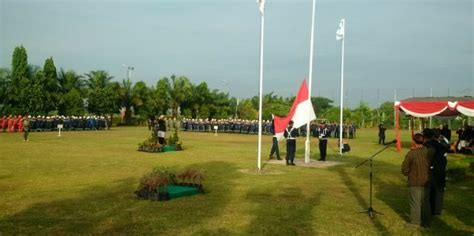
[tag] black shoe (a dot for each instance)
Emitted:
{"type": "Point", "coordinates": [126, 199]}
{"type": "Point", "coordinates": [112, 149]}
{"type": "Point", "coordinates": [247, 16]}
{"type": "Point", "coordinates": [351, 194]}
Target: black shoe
{"type": "Point", "coordinates": [279, 159]}
{"type": "Point", "coordinates": [270, 157]}
{"type": "Point", "coordinates": [321, 160]}
{"type": "Point", "coordinates": [292, 164]}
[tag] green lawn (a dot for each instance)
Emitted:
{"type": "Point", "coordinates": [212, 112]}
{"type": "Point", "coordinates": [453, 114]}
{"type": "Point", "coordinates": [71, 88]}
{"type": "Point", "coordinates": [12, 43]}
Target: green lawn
{"type": "Point", "coordinates": [83, 183]}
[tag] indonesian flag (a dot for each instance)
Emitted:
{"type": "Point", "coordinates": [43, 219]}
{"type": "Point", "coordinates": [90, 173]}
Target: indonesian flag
{"type": "Point", "coordinates": [261, 6]}
{"type": "Point", "coordinates": [341, 31]}
{"type": "Point", "coordinates": [301, 112]}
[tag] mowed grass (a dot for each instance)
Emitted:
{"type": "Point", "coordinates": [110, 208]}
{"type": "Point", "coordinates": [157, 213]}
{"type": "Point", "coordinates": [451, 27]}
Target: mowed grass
{"type": "Point", "coordinates": [83, 183]}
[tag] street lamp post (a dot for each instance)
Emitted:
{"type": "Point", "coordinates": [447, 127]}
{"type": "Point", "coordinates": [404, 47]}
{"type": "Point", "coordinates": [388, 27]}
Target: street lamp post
{"type": "Point", "coordinates": [129, 71]}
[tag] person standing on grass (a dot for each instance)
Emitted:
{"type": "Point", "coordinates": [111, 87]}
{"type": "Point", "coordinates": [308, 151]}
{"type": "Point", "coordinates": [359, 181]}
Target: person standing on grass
{"type": "Point", "coordinates": [438, 167]}
{"type": "Point", "coordinates": [290, 135]}
{"type": "Point", "coordinates": [382, 134]}
{"type": "Point", "coordinates": [161, 130]}
{"type": "Point", "coordinates": [416, 167]}
{"type": "Point", "coordinates": [275, 149]}
{"type": "Point", "coordinates": [323, 134]}
{"type": "Point", "coordinates": [26, 128]}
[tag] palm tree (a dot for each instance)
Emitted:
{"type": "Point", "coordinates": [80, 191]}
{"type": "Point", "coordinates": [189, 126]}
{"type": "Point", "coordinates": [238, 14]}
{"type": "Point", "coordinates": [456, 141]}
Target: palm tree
{"type": "Point", "coordinates": [180, 90]}
{"type": "Point", "coordinates": [126, 97]}
{"type": "Point", "coordinates": [71, 88]}
{"type": "Point", "coordinates": [98, 79]}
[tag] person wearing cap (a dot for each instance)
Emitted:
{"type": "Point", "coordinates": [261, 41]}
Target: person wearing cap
{"type": "Point", "coordinates": [290, 134]}
{"type": "Point", "coordinates": [26, 128]}
{"type": "Point", "coordinates": [416, 167]}
{"type": "Point", "coordinates": [323, 134]}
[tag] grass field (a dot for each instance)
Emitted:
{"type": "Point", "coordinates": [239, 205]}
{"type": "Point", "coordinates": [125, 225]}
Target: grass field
{"type": "Point", "coordinates": [83, 183]}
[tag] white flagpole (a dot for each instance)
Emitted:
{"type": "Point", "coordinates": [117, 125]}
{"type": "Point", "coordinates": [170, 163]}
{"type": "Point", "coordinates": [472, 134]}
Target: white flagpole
{"type": "Point", "coordinates": [343, 21]}
{"type": "Point", "coordinates": [307, 144]}
{"type": "Point", "coordinates": [259, 162]}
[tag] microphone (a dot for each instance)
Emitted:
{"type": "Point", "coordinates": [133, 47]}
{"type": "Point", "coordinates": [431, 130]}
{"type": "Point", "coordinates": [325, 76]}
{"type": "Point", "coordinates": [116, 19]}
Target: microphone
{"type": "Point", "coordinates": [391, 142]}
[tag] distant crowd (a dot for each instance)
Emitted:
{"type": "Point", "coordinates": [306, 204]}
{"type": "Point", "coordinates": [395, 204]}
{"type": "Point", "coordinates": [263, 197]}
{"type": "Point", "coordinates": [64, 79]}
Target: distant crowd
{"type": "Point", "coordinates": [13, 123]}
{"type": "Point", "coordinates": [242, 126]}
{"type": "Point", "coordinates": [465, 143]}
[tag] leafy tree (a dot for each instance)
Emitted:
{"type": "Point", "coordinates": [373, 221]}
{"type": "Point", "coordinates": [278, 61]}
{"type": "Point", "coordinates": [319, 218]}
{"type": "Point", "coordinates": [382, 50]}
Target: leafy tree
{"type": "Point", "coordinates": [363, 115]}
{"type": "Point", "coordinates": [180, 90]}
{"type": "Point", "coordinates": [220, 106]}
{"type": "Point", "coordinates": [125, 93]}
{"type": "Point", "coordinates": [141, 100]}
{"type": "Point", "coordinates": [161, 96]}
{"type": "Point", "coordinates": [198, 104]}
{"type": "Point", "coordinates": [72, 89]}
{"type": "Point", "coordinates": [321, 104]}
{"type": "Point", "coordinates": [103, 95]}
{"type": "Point", "coordinates": [16, 91]}
{"type": "Point", "coordinates": [50, 86]}
{"type": "Point", "coordinates": [386, 114]}
{"type": "Point", "coordinates": [332, 114]}
{"type": "Point", "coordinates": [4, 85]}
{"type": "Point", "coordinates": [247, 110]}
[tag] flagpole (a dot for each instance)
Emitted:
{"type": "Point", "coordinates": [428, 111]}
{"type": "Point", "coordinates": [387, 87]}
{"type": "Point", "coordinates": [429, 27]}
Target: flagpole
{"type": "Point", "coordinates": [259, 158]}
{"type": "Point", "coordinates": [341, 146]}
{"type": "Point", "coordinates": [307, 153]}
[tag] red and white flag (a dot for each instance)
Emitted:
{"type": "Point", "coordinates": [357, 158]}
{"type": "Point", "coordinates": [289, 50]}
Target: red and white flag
{"type": "Point", "coordinates": [301, 112]}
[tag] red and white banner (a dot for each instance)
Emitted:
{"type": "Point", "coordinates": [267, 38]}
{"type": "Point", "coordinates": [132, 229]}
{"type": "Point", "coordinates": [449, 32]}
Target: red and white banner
{"type": "Point", "coordinates": [301, 112]}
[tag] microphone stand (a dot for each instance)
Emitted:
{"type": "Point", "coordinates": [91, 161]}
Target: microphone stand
{"type": "Point", "coordinates": [371, 210]}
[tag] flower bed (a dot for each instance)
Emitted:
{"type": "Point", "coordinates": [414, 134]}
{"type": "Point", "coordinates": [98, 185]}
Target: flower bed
{"type": "Point", "coordinates": [162, 184]}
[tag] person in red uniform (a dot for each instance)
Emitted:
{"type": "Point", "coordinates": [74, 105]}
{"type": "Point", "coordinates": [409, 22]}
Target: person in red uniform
{"type": "Point", "coordinates": [10, 124]}
{"type": "Point", "coordinates": [1, 122]}
{"type": "Point", "coordinates": [19, 124]}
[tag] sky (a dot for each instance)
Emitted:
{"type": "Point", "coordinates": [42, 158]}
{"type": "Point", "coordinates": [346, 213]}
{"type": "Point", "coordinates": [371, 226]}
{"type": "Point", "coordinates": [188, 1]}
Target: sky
{"type": "Point", "coordinates": [394, 49]}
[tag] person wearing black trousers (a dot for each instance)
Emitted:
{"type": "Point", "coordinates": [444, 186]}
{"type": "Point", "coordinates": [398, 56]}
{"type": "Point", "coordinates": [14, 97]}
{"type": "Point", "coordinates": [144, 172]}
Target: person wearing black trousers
{"type": "Point", "coordinates": [275, 149]}
{"type": "Point", "coordinates": [290, 134]}
{"type": "Point", "coordinates": [382, 134]}
{"type": "Point", "coordinates": [323, 141]}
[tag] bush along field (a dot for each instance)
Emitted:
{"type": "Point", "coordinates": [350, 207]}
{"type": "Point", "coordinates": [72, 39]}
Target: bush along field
{"type": "Point", "coordinates": [85, 183]}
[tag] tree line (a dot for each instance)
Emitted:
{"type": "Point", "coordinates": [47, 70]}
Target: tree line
{"type": "Point", "coordinates": [34, 90]}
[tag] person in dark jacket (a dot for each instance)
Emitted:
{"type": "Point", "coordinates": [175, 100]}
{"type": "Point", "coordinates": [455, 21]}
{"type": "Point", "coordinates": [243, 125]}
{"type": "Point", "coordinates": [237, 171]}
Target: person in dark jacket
{"type": "Point", "coordinates": [439, 146]}
{"type": "Point", "coordinates": [382, 134]}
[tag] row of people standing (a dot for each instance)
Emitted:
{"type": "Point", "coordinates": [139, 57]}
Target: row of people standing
{"type": "Point", "coordinates": [50, 123]}
{"type": "Point", "coordinates": [251, 127]}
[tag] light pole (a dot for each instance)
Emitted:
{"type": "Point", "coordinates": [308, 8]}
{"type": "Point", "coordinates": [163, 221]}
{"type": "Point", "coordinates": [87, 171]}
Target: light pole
{"type": "Point", "coordinates": [129, 71]}
{"type": "Point", "coordinates": [126, 104]}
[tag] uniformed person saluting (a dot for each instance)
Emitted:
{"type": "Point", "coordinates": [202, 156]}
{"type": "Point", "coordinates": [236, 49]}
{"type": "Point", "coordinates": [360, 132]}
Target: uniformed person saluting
{"type": "Point", "coordinates": [290, 134]}
{"type": "Point", "coordinates": [323, 141]}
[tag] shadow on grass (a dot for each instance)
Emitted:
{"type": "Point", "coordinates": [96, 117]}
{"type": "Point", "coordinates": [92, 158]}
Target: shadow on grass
{"type": "Point", "coordinates": [112, 208]}
{"type": "Point", "coordinates": [363, 201]}
{"type": "Point", "coordinates": [284, 212]}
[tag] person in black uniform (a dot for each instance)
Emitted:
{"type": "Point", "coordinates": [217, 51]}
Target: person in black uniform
{"type": "Point", "coordinates": [290, 134]}
{"type": "Point", "coordinates": [323, 141]}
{"type": "Point", "coordinates": [440, 146]}
{"type": "Point", "coordinates": [275, 148]}
{"type": "Point", "coordinates": [382, 134]}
